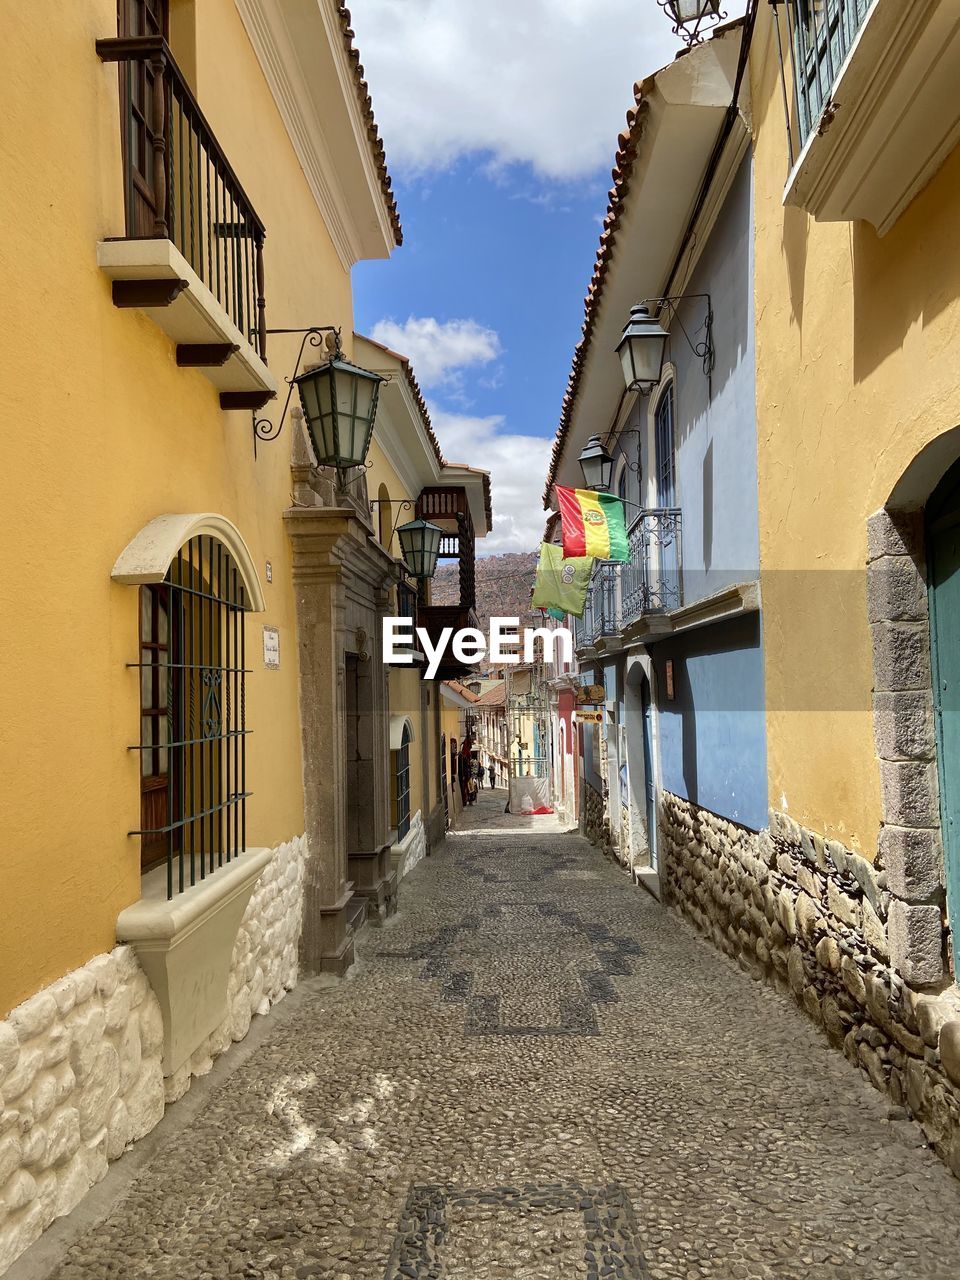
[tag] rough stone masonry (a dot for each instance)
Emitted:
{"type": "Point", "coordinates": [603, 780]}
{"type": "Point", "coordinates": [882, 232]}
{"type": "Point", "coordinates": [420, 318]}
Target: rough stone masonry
{"type": "Point", "coordinates": [816, 921]}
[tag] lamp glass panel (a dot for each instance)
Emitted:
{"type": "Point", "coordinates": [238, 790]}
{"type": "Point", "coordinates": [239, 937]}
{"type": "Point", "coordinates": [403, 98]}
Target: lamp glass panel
{"type": "Point", "coordinates": [626, 359]}
{"type": "Point", "coordinates": [324, 392]}
{"type": "Point", "coordinates": [646, 354]}
{"type": "Point", "coordinates": [693, 10]}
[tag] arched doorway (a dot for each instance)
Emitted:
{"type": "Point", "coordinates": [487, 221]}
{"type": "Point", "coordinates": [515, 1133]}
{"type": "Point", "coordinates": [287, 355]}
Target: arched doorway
{"type": "Point", "coordinates": [641, 763]}
{"type": "Point", "coordinates": [942, 526]}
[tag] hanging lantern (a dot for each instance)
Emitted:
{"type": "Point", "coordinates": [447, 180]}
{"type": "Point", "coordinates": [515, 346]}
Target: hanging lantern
{"type": "Point", "coordinates": [339, 401]}
{"type": "Point", "coordinates": [596, 465]}
{"type": "Point", "coordinates": [641, 349]}
{"type": "Point", "coordinates": [420, 545]}
{"type": "Point", "coordinates": [689, 17]}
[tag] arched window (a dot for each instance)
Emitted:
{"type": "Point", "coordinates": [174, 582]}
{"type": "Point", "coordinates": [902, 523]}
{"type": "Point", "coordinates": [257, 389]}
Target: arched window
{"type": "Point", "coordinates": [664, 449]}
{"type": "Point", "coordinates": [193, 780]}
{"type": "Point", "coordinates": [401, 784]}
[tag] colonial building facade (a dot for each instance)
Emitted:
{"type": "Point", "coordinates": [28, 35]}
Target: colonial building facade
{"type": "Point", "coordinates": [220, 780]}
{"type": "Point", "coordinates": [800, 450]}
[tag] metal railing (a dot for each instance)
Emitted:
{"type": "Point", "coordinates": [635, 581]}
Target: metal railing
{"type": "Point", "coordinates": [651, 581]}
{"type": "Point", "coordinates": [180, 186]}
{"type": "Point", "coordinates": [822, 33]}
{"type": "Point", "coordinates": [600, 614]}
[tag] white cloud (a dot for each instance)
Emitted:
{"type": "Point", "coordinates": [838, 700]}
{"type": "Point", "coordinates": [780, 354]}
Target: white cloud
{"type": "Point", "coordinates": [547, 82]}
{"type": "Point", "coordinates": [439, 350]}
{"type": "Point", "coordinates": [517, 465]}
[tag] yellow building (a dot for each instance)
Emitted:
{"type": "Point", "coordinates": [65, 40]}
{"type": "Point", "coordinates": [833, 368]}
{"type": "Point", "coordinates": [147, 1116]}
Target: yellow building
{"type": "Point", "coordinates": [210, 779]}
{"type": "Point", "coordinates": [851, 899]}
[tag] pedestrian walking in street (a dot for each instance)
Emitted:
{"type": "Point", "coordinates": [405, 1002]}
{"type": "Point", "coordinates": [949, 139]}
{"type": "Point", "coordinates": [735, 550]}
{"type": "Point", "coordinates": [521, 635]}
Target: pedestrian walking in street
{"type": "Point", "coordinates": [471, 790]}
{"type": "Point", "coordinates": [480, 772]}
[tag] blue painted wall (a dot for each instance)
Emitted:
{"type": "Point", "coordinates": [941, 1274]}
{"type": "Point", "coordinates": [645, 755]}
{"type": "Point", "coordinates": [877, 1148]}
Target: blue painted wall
{"type": "Point", "coordinates": [712, 735]}
{"type": "Point", "coordinates": [715, 420]}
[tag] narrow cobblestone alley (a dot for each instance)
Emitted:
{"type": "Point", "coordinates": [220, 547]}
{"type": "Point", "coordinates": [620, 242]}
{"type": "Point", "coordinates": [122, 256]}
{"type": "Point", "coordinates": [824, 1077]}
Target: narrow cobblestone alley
{"type": "Point", "coordinates": [535, 1073]}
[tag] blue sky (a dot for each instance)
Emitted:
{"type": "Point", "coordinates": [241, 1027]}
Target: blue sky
{"type": "Point", "coordinates": [500, 121]}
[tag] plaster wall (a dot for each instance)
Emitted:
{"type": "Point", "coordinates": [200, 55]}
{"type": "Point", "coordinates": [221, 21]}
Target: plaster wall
{"type": "Point", "coordinates": [112, 433]}
{"type": "Point", "coordinates": [715, 418]}
{"type": "Point", "coordinates": [856, 374]}
{"type": "Point", "coordinates": [711, 735]}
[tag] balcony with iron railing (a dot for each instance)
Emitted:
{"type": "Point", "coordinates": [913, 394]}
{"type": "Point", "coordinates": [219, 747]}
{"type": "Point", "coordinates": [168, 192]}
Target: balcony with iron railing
{"type": "Point", "coordinates": [649, 583]}
{"type": "Point", "coordinates": [191, 252]}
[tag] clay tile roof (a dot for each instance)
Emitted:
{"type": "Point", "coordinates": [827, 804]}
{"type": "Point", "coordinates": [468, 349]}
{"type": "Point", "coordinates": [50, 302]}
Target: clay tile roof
{"type": "Point", "coordinates": [373, 133]}
{"type": "Point", "coordinates": [431, 434]}
{"type": "Point", "coordinates": [462, 689]}
{"type": "Point", "coordinates": [415, 392]}
{"type": "Point", "coordinates": [622, 174]}
{"type": "Point", "coordinates": [495, 697]}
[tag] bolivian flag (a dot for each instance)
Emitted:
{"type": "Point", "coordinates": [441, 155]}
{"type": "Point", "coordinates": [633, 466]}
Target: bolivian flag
{"type": "Point", "coordinates": [593, 525]}
{"type": "Point", "coordinates": [561, 585]}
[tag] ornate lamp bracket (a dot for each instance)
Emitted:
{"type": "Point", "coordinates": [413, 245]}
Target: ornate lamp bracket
{"type": "Point", "coordinates": [703, 348]}
{"type": "Point", "coordinates": [326, 336]}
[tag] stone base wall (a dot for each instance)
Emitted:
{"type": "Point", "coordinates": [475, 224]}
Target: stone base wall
{"type": "Point", "coordinates": [80, 1063]}
{"type": "Point", "coordinates": [265, 959]}
{"type": "Point", "coordinates": [596, 827]}
{"type": "Point", "coordinates": [811, 918]}
{"type": "Point", "coordinates": [412, 849]}
{"type": "Point", "coordinates": [436, 827]}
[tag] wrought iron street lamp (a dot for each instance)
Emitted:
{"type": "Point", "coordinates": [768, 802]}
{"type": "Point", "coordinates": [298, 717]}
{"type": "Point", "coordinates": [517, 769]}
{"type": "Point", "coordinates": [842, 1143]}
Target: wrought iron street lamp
{"type": "Point", "coordinates": [692, 18]}
{"type": "Point", "coordinates": [420, 545]}
{"type": "Point", "coordinates": [643, 345]}
{"type": "Point", "coordinates": [641, 349]}
{"type": "Point", "coordinates": [339, 402]}
{"type": "Point", "coordinates": [596, 465]}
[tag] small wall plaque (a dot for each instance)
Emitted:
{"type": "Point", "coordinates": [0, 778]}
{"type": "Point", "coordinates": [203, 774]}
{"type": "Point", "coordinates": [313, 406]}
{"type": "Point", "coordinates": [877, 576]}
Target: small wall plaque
{"type": "Point", "coordinates": [669, 675]}
{"type": "Point", "coordinates": [271, 648]}
{"type": "Point", "coordinates": [269, 570]}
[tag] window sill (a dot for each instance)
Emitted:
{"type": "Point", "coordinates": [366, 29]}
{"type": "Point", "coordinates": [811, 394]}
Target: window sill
{"type": "Point", "coordinates": [185, 947]}
{"type": "Point", "coordinates": [892, 118]}
{"type": "Point", "coordinates": [191, 316]}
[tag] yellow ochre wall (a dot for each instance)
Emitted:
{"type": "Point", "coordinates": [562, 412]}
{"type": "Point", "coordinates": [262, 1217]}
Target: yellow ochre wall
{"type": "Point", "coordinates": [857, 370]}
{"type": "Point", "coordinates": [104, 432]}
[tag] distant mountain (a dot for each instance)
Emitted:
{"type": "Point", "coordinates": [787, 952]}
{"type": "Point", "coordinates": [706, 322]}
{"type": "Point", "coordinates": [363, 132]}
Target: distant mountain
{"type": "Point", "coordinates": [504, 584]}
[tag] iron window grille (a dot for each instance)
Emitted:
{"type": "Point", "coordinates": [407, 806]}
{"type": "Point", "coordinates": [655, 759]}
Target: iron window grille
{"type": "Point", "coordinates": [401, 782]}
{"type": "Point", "coordinates": [193, 715]}
{"type": "Point", "coordinates": [823, 33]}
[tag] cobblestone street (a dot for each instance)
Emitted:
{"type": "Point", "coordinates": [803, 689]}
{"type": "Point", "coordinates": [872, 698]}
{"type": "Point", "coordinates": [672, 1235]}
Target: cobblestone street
{"type": "Point", "coordinates": [533, 1073]}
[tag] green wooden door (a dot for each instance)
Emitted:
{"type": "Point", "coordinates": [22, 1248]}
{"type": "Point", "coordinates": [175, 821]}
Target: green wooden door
{"type": "Point", "coordinates": [943, 552]}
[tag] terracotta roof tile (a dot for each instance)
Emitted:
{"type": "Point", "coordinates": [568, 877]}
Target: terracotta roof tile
{"type": "Point", "coordinates": [495, 697]}
{"type": "Point", "coordinates": [373, 133]}
{"type": "Point", "coordinates": [414, 391]}
{"type": "Point", "coordinates": [431, 434]}
{"type": "Point", "coordinates": [462, 690]}
{"type": "Point", "coordinates": [622, 173]}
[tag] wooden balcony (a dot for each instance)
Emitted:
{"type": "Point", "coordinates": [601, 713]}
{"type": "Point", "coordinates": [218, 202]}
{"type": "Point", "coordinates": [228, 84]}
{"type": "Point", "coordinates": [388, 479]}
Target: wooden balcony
{"type": "Point", "coordinates": [433, 618]}
{"type": "Point", "coordinates": [191, 255]}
